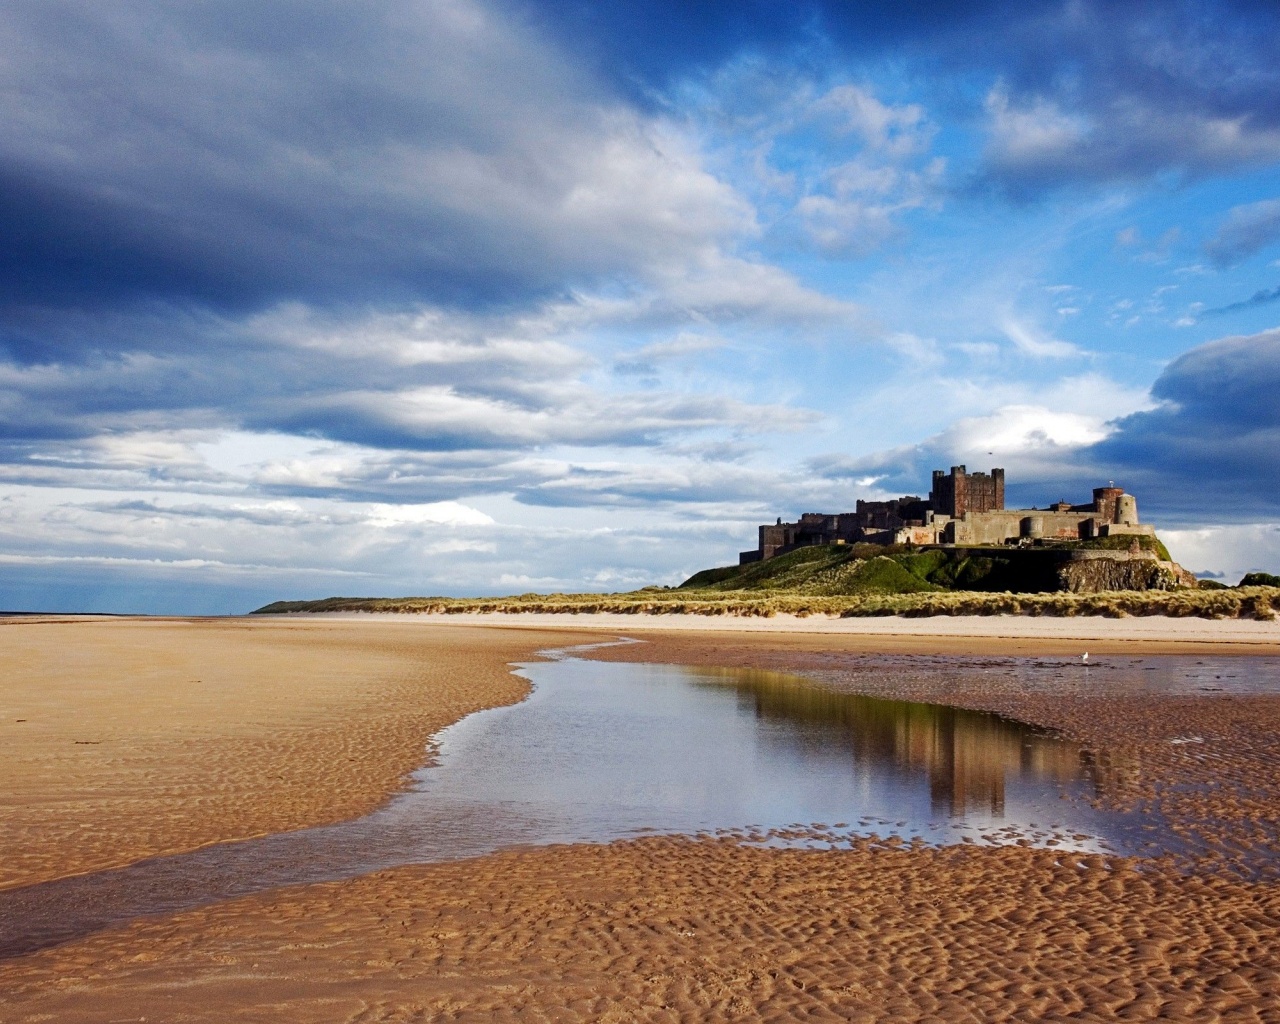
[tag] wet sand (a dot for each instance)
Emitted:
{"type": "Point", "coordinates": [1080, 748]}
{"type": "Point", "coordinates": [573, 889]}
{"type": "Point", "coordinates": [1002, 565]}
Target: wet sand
{"type": "Point", "coordinates": [677, 930]}
{"type": "Point", "coordinates": [125, 738]}
{"type": "Point", "coordinates": [668, 929]}
{"type": "Point", "coordinates": [1206, 760]}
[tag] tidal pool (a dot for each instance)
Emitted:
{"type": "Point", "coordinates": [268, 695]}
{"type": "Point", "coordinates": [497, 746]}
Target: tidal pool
{"type": "Point", "coordinates": [603, 751]}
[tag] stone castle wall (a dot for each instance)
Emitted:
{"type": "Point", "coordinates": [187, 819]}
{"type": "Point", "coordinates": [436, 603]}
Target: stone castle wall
{"type": "Point", "coordinates": [963, 508]}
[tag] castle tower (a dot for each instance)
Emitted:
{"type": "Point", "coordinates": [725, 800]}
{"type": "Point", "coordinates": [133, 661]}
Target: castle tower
{"type": "Point", "coordinates": [1105, 500]}
{"type": "Point", "coordinates": [960, 491]}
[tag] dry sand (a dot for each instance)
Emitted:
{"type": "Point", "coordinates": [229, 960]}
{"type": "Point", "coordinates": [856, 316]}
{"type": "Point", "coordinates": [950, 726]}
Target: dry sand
{"type": "Point", "coordinates": [666, 929]}
{"type": "Point", "coordinates": [1148, 629]}
{"type": "Point", "coordinates": [121, 739]}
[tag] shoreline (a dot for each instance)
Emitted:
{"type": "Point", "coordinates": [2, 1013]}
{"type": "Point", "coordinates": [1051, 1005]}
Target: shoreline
{"type": "Point", "coordinates": [1151, 634]}
{"type": "Point", "coordinates": [1146, 634]}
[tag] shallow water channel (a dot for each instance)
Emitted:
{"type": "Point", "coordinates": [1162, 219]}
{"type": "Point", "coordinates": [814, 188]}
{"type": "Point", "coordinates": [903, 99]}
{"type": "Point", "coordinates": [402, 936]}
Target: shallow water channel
{"type": "Point", "coordinates": [605, 750]}
{"type": "Point", "coordinates": [602, 751]}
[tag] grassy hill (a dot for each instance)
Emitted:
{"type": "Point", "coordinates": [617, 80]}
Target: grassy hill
{"type": "Point", "coordinates": [837, 569]}
{"type": "Point", "coordinates": [823, 570]}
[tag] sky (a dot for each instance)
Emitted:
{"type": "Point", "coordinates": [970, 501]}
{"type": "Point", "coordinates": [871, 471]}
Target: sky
{"type": "Point", "coordinates": [478, 297]}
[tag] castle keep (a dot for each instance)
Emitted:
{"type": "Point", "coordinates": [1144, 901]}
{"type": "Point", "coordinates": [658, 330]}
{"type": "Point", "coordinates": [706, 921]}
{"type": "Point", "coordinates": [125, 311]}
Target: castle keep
{"type": "Point", "coordinates": [963, 508]}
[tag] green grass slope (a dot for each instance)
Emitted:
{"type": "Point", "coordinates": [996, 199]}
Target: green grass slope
{"type": "Point", "coordinates": [830, 570]}
{"type": "Point", "coordinates": [839, 569]}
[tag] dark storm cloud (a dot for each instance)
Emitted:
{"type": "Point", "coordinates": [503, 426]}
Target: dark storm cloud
{"type": "Point", "coordinates": [1208, 453]}
{"type": "Point", "coordinates": [1263, 297]}
{"type": "Point", "coordinates": [1087, 91]}
{"type": "Point", "coordinates": [1213, 448]}
{"type": "Point", "coordinates": [1098, 92]}
{"type": "Point", "coordinates": [643, 45]}
{"type": "Point", "coordinates": [387, 382]}
{"type": "Point", "coordinates": [1246, 230]}
{"type": "Point", "coordinates": [239, 155]}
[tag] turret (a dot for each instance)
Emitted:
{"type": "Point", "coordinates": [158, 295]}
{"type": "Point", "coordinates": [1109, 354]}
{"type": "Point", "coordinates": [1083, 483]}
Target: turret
{"type": "Point", "coordinates": [1105, 500]}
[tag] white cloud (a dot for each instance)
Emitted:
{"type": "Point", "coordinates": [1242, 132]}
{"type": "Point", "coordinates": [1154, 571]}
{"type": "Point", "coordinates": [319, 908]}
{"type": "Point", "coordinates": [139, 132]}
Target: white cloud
{"type": "Point", "coordinates": [897, 130]}
{"type": "Point", "coordinates": [1031, 131]}
{"type": "Point", "coordinates": [1036, 139]}
{"type": "Point", "coordinates": [469, 155]}
{"type": "Point", "coordinates": [1032, 341]}
{"type": "Point", "coordinates": [441, 513]}
{"type": "Point", "coordinates": [684, 344]}
{"type": "Point", "coordinates": [1226, 552]}
{"type": "Point", "coordinates": [1035, 431]}
{"type": "Point", "coordinates": [847, 194]}
{"type": "Point", "coordinates": [573, 413]}
{"type": "Point", "coordinates": [198, 567]}
{"type": "Point", "coordinates": [1022, 438]}
{"type": "Point", "coordinates": [716, 287]}
{"type": "Point", "coordinates": [117, 550]}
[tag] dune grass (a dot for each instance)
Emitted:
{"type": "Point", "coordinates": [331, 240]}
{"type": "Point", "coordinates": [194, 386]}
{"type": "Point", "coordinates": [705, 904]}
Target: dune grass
{"type": "Point", "coordinates": [1226, 603]}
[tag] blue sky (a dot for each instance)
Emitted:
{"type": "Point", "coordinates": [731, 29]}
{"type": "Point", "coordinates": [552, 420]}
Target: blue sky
{"type": "Point", "coordinates": [458, 297]}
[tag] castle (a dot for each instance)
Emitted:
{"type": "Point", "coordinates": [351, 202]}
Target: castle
{"type": "Point", "coordinates": [962, 509]}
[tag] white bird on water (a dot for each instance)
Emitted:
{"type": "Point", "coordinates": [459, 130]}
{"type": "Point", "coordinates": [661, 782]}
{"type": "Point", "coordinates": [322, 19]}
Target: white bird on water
{"type": "Point", "coordinates": [1085, 657]}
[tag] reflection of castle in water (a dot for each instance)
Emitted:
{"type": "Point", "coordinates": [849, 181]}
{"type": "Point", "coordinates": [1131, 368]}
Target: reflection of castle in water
{"type": "Point", "coordinates": [967, 755]}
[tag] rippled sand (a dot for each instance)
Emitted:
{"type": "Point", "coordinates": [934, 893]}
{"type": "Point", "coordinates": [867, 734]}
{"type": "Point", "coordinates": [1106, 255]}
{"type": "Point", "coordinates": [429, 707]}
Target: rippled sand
{"type": "Point", "coordinates": [122, 739]}
{"type": "Point", "coordinates": [681, 930]}
{"type": "Point", "coordinates": [678, 930]}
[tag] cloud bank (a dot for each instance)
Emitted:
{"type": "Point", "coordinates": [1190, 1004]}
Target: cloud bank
{"type": "Point", "coordinates": [480, 295]}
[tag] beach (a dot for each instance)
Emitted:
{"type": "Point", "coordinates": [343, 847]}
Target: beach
{"type": "Point", "coordinates": [660, 928]}
{"type": "Point", "coordinates": [127, 738]}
